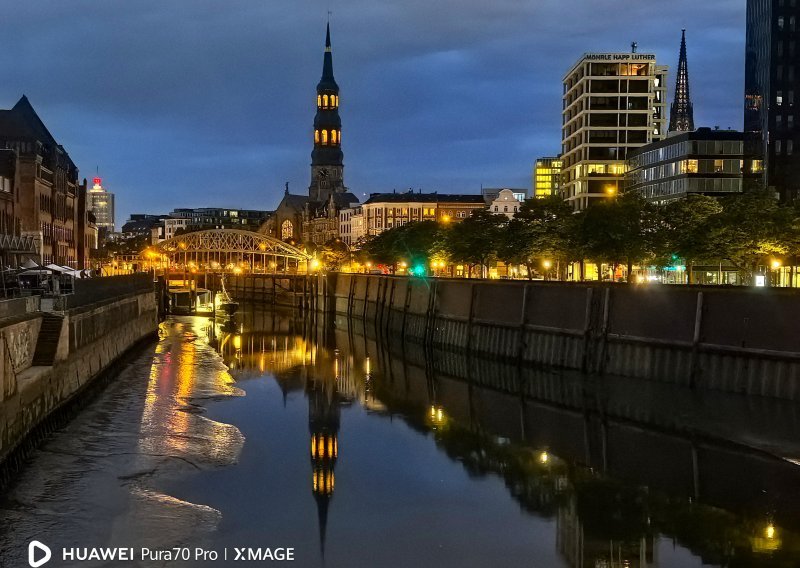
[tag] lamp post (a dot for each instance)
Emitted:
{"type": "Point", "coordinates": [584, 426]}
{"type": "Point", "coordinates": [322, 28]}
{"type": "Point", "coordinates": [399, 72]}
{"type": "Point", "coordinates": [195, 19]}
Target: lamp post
{"type": "Point", "coordinates": [547, 264]}
{"type": "Point", "coordinates": [776, 274]}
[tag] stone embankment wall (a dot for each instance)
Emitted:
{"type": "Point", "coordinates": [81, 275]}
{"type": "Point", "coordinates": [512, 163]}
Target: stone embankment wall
{"type": "Point", "coordinates": [92, 336]}
{"type": "Point", "coordinates": [743, 340]}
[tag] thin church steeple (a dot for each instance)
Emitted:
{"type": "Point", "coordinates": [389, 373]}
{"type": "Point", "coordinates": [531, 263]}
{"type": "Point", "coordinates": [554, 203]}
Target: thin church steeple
{"type": "Point", "coordinates": [681, 116]}
{"type": "Point", "coordinates": [327, 167]}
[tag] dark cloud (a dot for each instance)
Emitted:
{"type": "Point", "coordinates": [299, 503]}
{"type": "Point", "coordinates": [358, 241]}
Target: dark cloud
{"type": "Point", "coordinates": [210, 102]}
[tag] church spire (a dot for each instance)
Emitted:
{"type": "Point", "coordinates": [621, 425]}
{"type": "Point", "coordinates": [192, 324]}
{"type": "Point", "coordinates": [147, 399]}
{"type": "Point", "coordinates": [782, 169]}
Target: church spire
{"type": "Point", "coordinates": [327, 168]}
{"type": "Point", "coordinates": [681, 118]}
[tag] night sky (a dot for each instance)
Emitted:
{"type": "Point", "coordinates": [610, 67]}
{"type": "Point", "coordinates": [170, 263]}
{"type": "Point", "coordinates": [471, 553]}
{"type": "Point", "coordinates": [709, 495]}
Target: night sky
{"type": "Point", "coordinates": [201, 103]}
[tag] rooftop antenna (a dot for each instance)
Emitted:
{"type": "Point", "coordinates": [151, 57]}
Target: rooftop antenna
{"type": "Point", "coordinates": [634, 46]}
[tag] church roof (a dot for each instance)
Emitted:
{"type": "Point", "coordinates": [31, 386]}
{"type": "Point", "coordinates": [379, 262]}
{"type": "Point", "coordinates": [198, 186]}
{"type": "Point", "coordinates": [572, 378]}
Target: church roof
{"type": "Point", "coordinates": [342, 200]}
{"type": "Point", "coordinates": [295, 201]}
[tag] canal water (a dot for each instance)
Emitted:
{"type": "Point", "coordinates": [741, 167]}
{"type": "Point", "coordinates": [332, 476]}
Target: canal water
{"type": "Point", "coordinates": [356, 449]}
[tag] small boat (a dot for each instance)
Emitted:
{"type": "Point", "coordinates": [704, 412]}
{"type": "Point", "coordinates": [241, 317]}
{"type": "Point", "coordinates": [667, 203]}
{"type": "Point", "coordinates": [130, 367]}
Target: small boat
{"type": "Point", "coordinates": [226, 304]}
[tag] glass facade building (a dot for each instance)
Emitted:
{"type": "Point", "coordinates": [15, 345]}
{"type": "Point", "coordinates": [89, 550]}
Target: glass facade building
{"type": "Point", "coordinates": [772, 84]}
{"type": "Point", "coordinates": [547, 177]}
{"type": "Point", "coordinates": [705, 161]}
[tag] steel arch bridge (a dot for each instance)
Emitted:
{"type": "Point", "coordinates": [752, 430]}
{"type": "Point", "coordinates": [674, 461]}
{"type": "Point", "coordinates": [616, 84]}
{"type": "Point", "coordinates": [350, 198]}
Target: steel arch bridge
{"type": "Point", "coordinates": [228, 248]}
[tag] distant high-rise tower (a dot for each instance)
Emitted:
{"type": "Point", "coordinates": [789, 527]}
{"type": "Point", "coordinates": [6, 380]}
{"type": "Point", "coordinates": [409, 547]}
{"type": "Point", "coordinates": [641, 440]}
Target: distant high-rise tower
{"type": "Point", "coordinates": [101, 203]}
{"type": "Point", "coordinates": [681, 116]}
{"type": "Point", "coordinates": [327, 168]}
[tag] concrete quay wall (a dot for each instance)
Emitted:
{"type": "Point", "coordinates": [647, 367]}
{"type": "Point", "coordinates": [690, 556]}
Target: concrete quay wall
{"type": "Point", "coordinates": [743, 340]}
{"type": "Point", "coordinates": [91, 339]}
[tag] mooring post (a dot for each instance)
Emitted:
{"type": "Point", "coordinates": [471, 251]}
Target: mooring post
{"type": "Point", "coordinates": [698, 325]}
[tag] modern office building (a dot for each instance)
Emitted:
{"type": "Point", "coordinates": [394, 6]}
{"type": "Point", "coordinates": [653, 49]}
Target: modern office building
{"type": "Point", "coordinates": [612, 103]}
{"type": "Point", "coordinates": [772, 86]}
{"type": "Point", "coordinates": [101, 203]}
{"type": "Point", "coordinates": [712, 162]}
{"type": "Point", "coordinates": [222, 218]}
{"type": "Point", "coordinates": [547, 177]}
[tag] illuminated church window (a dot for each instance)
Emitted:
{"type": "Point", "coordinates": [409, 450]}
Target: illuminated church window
{"type": "Point", "coordinates": [333, 137]}
{"type": "Point", "coordinates": [319, 100]}
{"type": "Point", "coordinates": [324, 136]}
{"type": "Point", "coordinates": [324, 101]}
{"type": "Point", "coordinates": [316, 136]}
{"type": "Point", "coordinates": [287, 230]}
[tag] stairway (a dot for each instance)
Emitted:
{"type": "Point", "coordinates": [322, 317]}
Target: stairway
{"type": "Point", "coordinates": [47, 342]}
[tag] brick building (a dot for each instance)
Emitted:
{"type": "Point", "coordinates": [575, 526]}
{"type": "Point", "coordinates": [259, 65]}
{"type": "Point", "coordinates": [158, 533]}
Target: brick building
{"type": "Point", "coordinates": [47, 205]}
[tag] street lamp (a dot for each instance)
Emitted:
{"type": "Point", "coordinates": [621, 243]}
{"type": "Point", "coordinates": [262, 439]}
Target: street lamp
{"type": "Point", "coordinates": [776, 266]}
{"type": "Point", "coordinates": [611, 190]}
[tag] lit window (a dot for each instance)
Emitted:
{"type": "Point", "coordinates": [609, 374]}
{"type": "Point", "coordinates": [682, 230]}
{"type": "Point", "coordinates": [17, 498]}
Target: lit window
{"type": "Point", "coordinates": [691, 166]}
{"type": "Point", "coordinates": [779, 98]}
{"type": "Point", "coordinates": [325, 101]}
{"type": "Point", "coordinates": [316, 136]}
{"type": "Point", "coordinates": [718, 166]}
{"type": "Point", "coordinates": [287, 230]}
{"type": "Point", "coordinates": [319, 100]}
{"type": "Point", "coordinates": [324, 136]}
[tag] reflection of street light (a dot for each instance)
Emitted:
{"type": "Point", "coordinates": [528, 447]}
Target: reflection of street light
{"type": "Point", "coordinates": [544, 457]}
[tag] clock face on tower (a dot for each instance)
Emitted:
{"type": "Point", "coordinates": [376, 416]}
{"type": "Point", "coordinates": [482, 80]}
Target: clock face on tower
{"type": "Point", "coordinates": [323, 174]}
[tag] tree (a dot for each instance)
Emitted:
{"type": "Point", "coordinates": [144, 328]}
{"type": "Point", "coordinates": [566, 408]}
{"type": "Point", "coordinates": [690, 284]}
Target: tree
{"type": "Point", "coordinates": [752, 227]}
{"type": "Point", "coordinates": [543, 230]}
{"type": "Point", "coordinates": [474, 241]}
{"type": "Point", "coordinates": [618, 230]}
{"type": "Point", "coordinates": [684, 231]}
{"type": "Point", "coordinates": [414, 243]}
{"type": "Point", "coordinates": [333, 254]}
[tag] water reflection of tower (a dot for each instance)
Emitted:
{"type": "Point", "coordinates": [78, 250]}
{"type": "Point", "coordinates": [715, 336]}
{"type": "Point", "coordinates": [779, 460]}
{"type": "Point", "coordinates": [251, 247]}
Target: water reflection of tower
{"type": "Point", "coordinates": [323, 425]}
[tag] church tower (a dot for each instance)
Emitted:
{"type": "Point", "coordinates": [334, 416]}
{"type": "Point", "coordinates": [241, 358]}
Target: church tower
{"type": "Point", "coordinates": [681, 115]}
{"type": "Point", "coordinates": [327, 168]}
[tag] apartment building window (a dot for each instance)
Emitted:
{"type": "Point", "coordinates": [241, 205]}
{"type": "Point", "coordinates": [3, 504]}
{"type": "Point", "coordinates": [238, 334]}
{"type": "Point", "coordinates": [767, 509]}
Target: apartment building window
{"type": "Point", "coordinates": [789, 147]}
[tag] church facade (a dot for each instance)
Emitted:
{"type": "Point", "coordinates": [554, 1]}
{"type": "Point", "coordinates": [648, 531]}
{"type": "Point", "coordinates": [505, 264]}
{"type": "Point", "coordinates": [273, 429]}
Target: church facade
{"type": "Point", "coordinates": [314, 218]}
